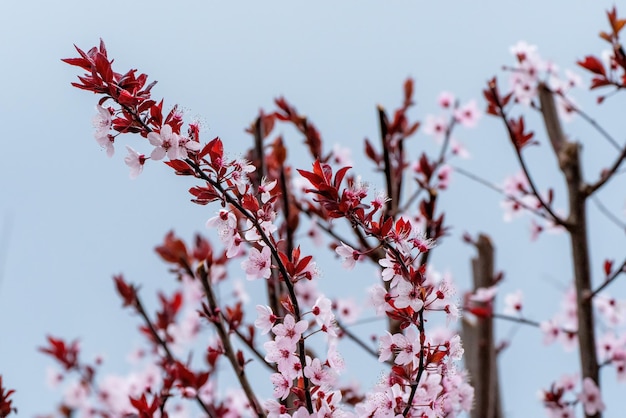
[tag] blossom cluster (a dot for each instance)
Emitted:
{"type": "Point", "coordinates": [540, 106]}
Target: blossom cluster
{"type": "Point", "coordinates": [295, 335]}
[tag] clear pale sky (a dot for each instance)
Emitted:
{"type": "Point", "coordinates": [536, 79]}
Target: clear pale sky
{"type": "Point", "coordinates": [71, 218]}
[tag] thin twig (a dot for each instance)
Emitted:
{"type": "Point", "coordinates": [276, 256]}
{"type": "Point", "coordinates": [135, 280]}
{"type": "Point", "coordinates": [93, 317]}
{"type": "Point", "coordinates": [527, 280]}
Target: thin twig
{"type": "Point", "coordinates": [228, 348]}
{"type": "Point", "coordinates": [591, 122]}
{"type": "Point", "coordinates": [254, 350]}
{"type": "Point", "coordinates": [501, 191]}
{"type": "Point", "coordinates": [556, 219]}
{"type": "Point", "coordinates": [168, 354]}
{"type": "Point", "coordinates": [420, 369]}
{"type": "Point", "coordinates": [609, 280]}
{"type": "Point", "coordinates": [357, 340]}
{"type": "Point", "coordinates": [606, 175]}
{"type": "Point", "coordinates": [606, 212]}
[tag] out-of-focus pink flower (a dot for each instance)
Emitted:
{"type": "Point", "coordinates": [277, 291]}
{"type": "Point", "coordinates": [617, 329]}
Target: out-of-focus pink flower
{"type": "Point", "coordinates": [468, 115]}
{"type": "Point", "coordinates": [591, 397]}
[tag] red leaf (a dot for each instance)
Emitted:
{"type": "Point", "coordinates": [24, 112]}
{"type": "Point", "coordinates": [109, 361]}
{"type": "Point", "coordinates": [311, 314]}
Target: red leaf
{"type": "Point", "coordinates": [608, 266]}
{"type": "Point", "coordinates": [250, 203]}
{"type": "Point", "coordinates": [593, 64]}
{"type": "Point", "coordinates": [181, 167]}
{"type": "Point", "coordinates": [126, 291]}
{"type": "Point", "coordinates": [371, 152]}
{"type": "Point", "coordinates": [173, 250]}
{"type": "Point", "coordinates": [339, 176]}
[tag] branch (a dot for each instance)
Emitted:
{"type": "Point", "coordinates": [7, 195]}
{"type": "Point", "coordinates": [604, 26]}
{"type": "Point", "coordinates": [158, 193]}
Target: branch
{"type": "Point", "coordinates": [568, 156]}
{"type": "Point", "coordinates": [358, 341]}
{"type": "Point", "coordinates": [606, 175]}
{"type": "Point", "coordinates": [609, 280]}
{"type": "Point", "coordinates": [391, 203]}
{"type": "Point", "coordinates": [168, 354]}
{"type": "Point", "coordinates": [603, 209]}
{"type": "Point", "coordinates": [228, 348]}
{"type": "Point", "coordinates": [497, 189]}
{"type": "Point", "coordinates": [556, 219]}
{"type": "Point", "coordinates": [281, 267]}
{"type": "Point", "coordinates": [420, 369]}
{"type": "Point", "coordinates": [252, 348]}
{"type": "Point", "coordinates": [592, 122]}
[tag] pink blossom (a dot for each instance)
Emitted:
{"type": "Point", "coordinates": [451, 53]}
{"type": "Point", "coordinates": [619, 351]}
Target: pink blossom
{"type": "Point", "coordinates": [282, 386]}
{"type": "Point", "coordinates": [513, 303]}
{"type": "Point", "coordinates": [620, 368]}
{"type": "Point", "coordinates": [613, 311]}
{"type": "Point", "coordinates": [535, 229]}
{"type": "Point", "coordinates": [456, 348]}
{"type": "Point", "coordinates": [322, 310]}
{"type": "Point", "coordinates": [468, 114]}
{"type": "Point", "coordinates": [445, 100]}
{"type": "Point", "coordinates": [135, 161]}
{"type": "Point", "coordinates": [386, 347]}
{"type": "Point", "coordinates": [407, 294]}
{"type": "Point", "coordinates": [408, 347]}
{"type": "Point", "coordinates": [266, 319]}
{"type": "Point", "coordinates": [349, 255]}
{"type": "Point", "coordinates": [76, 395]}
{"type": "Point", "coordinates": [306, 292]}
{"type": "Point", "coordinates": [258, 264]}
{"type": "Point", "coordinates": [523, 51]}
{"type": "Point", "coordinates": [185, 145]}
{"type": "Point", "coordinates": [342, 156]}
{"type": "Point", "coordinates": [377, 298]}
{"type": "Point", "coordinates": [290, 329]}
{"type": "Point", "coordinates": [484, 294]}
{"type": "Point", "coordinates": [333, 357]}
{"type": "Point", "coordinates": [443, 175]}
{"type": "Point", "coordinates": [240, 293]}
{"type": "Point", "coordinates": [550, 331]}
{"type": "Point", "coordinates": [225, 222]}
{"type": "Point", "coordinates": [435, 126]}
{"type": "Point", "coordinates": [516, 184]}
{"type": "Point", "coordinates": [392, 270]}
{"type": "Point", "coordinates": [53, 377]}
{"type": "Point", "coordinates": [265, 188]}
{"type": "Point", "coordinates": [282, 352]}
{"type": "Point", "coordinates": [459, 149]}
{"type": "Point", "coordinates": [348, 310]}
{"type": "Point", "coordinates": [184, 331]}
{"type": "Point", "coordinates": [591, 397]}
{"type": "Point", "coordinates": [166, 143]}
{"type": "Point", "coordinates": [102, 122]}
{"type": "Point", "coordinates": [315, 372]}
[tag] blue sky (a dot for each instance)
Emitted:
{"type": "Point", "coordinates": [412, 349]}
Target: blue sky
{"type": "Point", "coordinates": [72, 218]}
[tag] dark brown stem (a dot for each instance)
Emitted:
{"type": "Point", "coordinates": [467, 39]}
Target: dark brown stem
{"type": "Point", "coordinates": [420, 369]}
{"type": "Point", "coordinates": [568, 156]}
{"type": "Point", "coordinates": [225, 339]}
{"type": "Point", "coordinates": [168, 354]}
{"type": "Point", "coordinates": [556, 219]}
{"type": "Point", "coordinates": [388, 169]}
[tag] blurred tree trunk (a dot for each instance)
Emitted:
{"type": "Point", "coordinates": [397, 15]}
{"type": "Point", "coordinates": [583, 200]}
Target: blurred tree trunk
{"type": "Point", "coordinates": [478, 341]}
